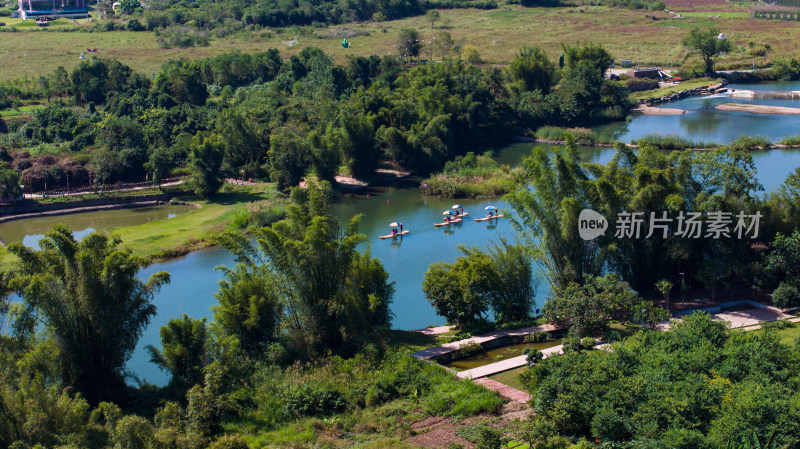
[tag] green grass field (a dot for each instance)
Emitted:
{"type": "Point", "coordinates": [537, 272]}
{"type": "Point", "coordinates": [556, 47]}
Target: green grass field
{"type": "Point", "coordinates": [195, 229]}
{"type": "Point", "coordinates": [21, 111]}
{"type": "Point", "coordinates": [649, 38]}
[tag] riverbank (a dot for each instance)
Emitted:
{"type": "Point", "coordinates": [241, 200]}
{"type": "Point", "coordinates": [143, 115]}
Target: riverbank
{"type": "Point", "coordinates": [759, 109]}
{"type": "Point", "coordinates": [166, 239]}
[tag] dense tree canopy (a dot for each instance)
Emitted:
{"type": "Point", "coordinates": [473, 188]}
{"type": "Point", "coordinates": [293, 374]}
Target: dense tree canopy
{"type": "Point", "coordinates": [699, 385]}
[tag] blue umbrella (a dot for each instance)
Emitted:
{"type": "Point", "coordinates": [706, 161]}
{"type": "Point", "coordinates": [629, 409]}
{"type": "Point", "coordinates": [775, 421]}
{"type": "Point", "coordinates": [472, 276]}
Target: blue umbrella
{"type": "Point", "coordinates": [457, 206]}
{"type": "Point", "coordinates": [448, 212]}
{"type": "Point", "coordinates": [490, 208]}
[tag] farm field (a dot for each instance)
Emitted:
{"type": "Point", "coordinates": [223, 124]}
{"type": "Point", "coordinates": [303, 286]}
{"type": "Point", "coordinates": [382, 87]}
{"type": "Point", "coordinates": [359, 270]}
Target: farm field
{"type": "Point", "coordinates": [648, 38]}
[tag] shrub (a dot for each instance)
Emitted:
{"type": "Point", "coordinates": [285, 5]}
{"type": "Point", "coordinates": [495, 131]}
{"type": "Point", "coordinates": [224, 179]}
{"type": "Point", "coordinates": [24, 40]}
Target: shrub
{"type": "Point", "coordinates": [587, 343]}
{"type": "Point", "coordinates": [134, 25]}
{"type": "Point", "coordinates": [229, 442]}
{"type": "Point", "coordinates": [786, 296]}
{"type": "Point", "coordinates": [533, 355]}
{"type": "Point", "coordinates": [538, 337]}
{"type": "Point", "coordinates": [310, 401]}
{"type": "Point", "coordinates": [467, 350]}
{"type": "Point", "coordinates": [639, 84]}
{"type": "Point", "coordinates": [109, 26]}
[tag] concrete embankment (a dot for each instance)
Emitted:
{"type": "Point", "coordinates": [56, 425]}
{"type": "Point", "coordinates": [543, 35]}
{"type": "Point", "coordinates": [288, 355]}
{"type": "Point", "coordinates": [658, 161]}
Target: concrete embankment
{"type": "Point", "coordinates": [759, 109]}
{"type": "Point", "coordinates": [766, 94]}
{"type": "Point", "coordinates": [710, 90]}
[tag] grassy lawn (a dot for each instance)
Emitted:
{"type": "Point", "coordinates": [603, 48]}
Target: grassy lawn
{"type": "Point", "coordinates": [691, 84]}
{"type": "Point", "coordinates": [649, 38]}
{"type": "Point", "coordinates": [19, 112]}
{"type": "Point", "coordinates": [789, 334]}
{"type": "Point", "coordinates": [510, 378]}
{"type": "Point", "coordinates": [193, 230]}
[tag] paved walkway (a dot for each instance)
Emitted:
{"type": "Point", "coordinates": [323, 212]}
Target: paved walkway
{"type": "Point", "coordinates": [504, 365]}
{"type": "Point", "coordinates": [504, 390]}
{"type": "Point", "coordinates": [106, 189]}
{"type": "Point", "coordinates": [480, 339]}
{"type": "Point", "coordinates": [749, 317]}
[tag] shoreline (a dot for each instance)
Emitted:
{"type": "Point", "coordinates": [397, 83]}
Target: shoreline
{"type": "Point", "coordinates": [645, 109]}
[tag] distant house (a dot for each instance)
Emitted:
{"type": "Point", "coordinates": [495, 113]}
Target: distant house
{"type": "Point", "coordinates": [645, 73]}
{"type": "Point", "coordinates": [34, 9]}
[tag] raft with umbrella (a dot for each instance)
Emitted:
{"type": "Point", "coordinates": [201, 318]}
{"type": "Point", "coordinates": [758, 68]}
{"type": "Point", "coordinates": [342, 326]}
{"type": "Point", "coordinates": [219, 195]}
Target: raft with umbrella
{"type": "Point", "coordinates": [448, 213]}
{"type": "Point", "coordinates": [460, 210]}
{"type": "Point", "coordinates": [394, 225]}
{"type": "Point", "coordinates": [493, 211]}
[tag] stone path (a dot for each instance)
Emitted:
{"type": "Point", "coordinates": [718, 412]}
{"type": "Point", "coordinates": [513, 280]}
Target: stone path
{"type": "Point", "coordinates": [504, 365]}
{"type": "Point", "coordinates": [446, 348]}
{"type": "Point", "coordinates": [504, 390]}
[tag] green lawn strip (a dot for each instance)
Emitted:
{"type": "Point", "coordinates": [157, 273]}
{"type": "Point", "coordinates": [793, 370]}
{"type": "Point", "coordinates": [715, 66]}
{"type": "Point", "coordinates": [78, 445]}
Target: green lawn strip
{"type": "Point", "coordinates": [686, 85]}
{"type": "Point", "coordinates": [510, 378]}
{"type": "Point", "coordinates": [163, 239]}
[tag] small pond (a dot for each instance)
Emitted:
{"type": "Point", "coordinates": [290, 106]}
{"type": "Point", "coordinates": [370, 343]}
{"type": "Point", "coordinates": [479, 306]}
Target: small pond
{"type": "Point", "coordinates": [498, 354]}
{"type": "Point", "coordinates": [31, 230]}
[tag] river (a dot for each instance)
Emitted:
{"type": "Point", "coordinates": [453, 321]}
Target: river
{"type": "Point", "coordinates": [194, 279]}
{"type": "Point", "coordinates": [703, 123]}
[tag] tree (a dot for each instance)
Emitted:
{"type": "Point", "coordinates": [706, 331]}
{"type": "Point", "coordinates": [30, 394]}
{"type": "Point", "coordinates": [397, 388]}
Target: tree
{"type": "Point", "coordinates": [408, 44]}
{"type": "Point", "coordinates": [594, 54]}
{"type": "Point", "coordinates": [708, 43]}
{"type": "Point", "coordinates": [89, 294]}
{"type": "Point", "coordinates": [510, 285]}
{"type": "Point", "coordinates": [651, 314]}
{"type": "Point", "coordinates": [533, 70]}
{"type": "Point", "coordinates": [248, 307]}
{"type": "Point", "coordinates": [9, 185]}
{"type": "Point", "coordinates": [471, 55]}
{"type": "Point", "coordinates": [161, 163]}
{"type": "Point", "coordinates": [432, 15]}
{"type": "Point", "coordinates": [205, 164]}
{"type": "Point", "coordinates": [664, 286]}
{"type": "Point", "coordinates": [104, 164]}
{"type": "Point", "coordinates": [184, 352]}
{"type": "Point", "coordinates": [546, 209]}
{"type": "Point", "coordinates": [459, 291]}
{"type": "Point", "coordinates": [331, 296]}
{"type": "Point", "coordinates": [444, 44]}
